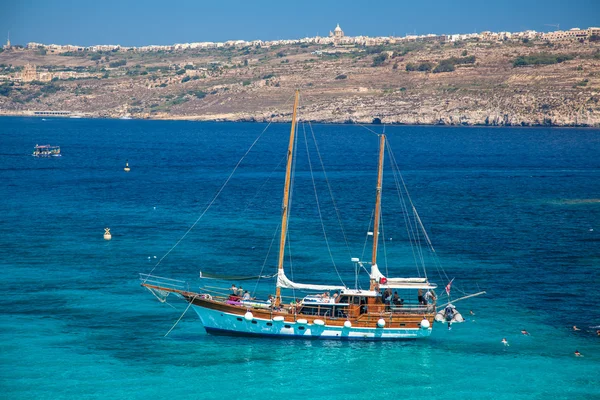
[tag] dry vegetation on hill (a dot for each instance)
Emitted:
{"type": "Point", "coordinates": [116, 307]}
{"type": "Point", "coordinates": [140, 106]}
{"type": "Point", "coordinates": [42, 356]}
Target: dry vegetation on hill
{"type": "Point", "coordinates": [485, 84]}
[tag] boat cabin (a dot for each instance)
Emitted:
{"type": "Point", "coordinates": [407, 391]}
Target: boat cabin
{"type": "Point", "coordinates": [353, 303]}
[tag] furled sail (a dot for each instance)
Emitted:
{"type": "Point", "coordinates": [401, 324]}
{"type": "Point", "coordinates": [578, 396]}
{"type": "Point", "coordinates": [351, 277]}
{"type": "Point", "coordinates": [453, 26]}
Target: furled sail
{"type": "Point", "coordinates": [284, 282]}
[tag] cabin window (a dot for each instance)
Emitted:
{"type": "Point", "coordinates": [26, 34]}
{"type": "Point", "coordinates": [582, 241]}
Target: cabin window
{"type": "Point", "coordinates": [287, 326]}
{"type": "Point", "coordinates": [345, 299]}
{"type": "Point", "coordinates": [239, 318]}
{"type": "Point", "coordinates": [300, 328]}
{"type": "Point", "coordinates": [269, 324]}
{"type": "Point", "coordinates": [254, 322]}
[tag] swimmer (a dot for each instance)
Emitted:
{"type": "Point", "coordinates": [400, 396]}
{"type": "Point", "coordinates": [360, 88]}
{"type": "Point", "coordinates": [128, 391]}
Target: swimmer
{"type": "Point", "coordinates": [471, 312]}
{"type": "Point", "coordinates": [505, 342]}
{"type": "Point", "coordinates": [524, 332]}
{"type": "Point", "coordinates": [576, 328]}
{"type": "Point", "coordinates": [598, 332]}
{"type": "Point", "coordinates": [577, 353]}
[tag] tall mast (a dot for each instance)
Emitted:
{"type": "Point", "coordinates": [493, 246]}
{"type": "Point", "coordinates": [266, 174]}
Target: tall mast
{"type": "Point", "coordinates": [286, 197]}
{"type": "Point", "coordinates": [377, 204]}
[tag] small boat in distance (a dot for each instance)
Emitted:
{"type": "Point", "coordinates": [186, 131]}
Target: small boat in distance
{"type": "Point", "coordinates": [46, 151]}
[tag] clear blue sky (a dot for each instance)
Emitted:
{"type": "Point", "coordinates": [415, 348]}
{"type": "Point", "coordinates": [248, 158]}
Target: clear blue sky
{"type": "Point", "coordinates": [137, 23]}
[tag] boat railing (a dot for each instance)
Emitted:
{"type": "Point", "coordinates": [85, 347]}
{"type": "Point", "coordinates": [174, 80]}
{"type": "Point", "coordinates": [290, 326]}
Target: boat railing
{"type": "Point", "coordinates": [412, 308]}
{"type": "Point", "coordinates": [161, 281]}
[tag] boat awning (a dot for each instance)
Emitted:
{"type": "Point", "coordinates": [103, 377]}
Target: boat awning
{"type": "Point", "coordinates": [284, 282]}
{"type": "Point", "coordinates": [399, 283]}
{"type": "Point", "coordinates": [408, 285]}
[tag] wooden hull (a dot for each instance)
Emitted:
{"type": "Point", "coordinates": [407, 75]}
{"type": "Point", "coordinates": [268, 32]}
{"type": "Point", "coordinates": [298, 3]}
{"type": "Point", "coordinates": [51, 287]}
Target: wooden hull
{"type": "Point", "coordinates": [224, 319]}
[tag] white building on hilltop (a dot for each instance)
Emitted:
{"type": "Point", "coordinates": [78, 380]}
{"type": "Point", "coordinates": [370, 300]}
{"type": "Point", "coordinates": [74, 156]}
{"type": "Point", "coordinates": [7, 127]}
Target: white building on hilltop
{"type": "Point", "coordinates": [337, 33]}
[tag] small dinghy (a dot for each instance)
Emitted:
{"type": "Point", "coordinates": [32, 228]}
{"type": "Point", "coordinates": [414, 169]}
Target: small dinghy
{"type": "Point", "coordinates": [449, 314]}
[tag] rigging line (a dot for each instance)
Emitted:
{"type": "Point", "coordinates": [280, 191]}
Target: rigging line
{"type": "Point", "coordinates": [212, 201]}
{"type": "Point", "coordinates": [337, 211]}
{"type": "Point", "coordinates": [312, 176]}
{"type": "Point", "coordinates": [414, 230]}
{"type": "Point", "coordinates": [291, 264]}
{"type": "Point", "coordinates": [434, 256]}
{"type": "Point", "coordinates": [417, 221]}
{"type": "Point", "coordinates": [217, 194]}
{"type": "Point", "coordinates": [385, 256]}
{"type": "Point", "coordinates": [369, 129]}
{"type": "Point", "coordinates": [260, 189]}
{"type": "Point", "coordinates": [186, 310]}
{"type": "Point", "coordinates": [266, 259]}
{"type": "Point", "coordinates": [362, 256]}
{"type": "Point", "coordinates": [410, 230]}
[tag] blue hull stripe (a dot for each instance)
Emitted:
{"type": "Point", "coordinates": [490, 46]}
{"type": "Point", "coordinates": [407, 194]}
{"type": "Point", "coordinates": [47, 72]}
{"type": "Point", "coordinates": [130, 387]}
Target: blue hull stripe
{"type": "Point", "coordinates": [225, 332]}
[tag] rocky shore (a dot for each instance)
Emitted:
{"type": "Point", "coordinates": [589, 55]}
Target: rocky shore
{"type": "Point", "coordinates": [343, 86]}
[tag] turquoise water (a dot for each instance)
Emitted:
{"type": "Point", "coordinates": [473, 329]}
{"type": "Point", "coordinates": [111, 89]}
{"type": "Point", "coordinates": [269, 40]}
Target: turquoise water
{"type": "Point", "coordinates": [511, 211]}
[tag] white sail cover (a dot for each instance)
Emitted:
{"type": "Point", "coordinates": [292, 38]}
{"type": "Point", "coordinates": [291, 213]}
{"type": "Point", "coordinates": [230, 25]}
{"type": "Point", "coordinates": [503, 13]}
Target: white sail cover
{"type": "Point", "coordinates": [284, 282]}
{"type": "Point", "coordinates": [400, 283]}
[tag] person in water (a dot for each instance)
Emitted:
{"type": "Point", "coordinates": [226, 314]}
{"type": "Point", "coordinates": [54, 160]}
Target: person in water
{"type": "Point", "coordinates": [576, 328]}
{"type": "Point", "coordinates": [577, 353]}
{"type": "Point", "coordinates": [524, 332]}
{"type": "Point", "coordinates": [505, 342]}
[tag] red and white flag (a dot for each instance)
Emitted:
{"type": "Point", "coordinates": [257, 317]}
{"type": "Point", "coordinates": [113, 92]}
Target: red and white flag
{"type": "Point", "coordinates": [448, 287]}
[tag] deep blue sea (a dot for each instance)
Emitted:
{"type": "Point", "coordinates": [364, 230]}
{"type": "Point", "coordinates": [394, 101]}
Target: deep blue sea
{"type": "Point", "coordinates": [512, 211]}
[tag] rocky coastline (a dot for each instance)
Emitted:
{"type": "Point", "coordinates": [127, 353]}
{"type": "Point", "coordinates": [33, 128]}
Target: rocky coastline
{"type": "Point", "coordinates": [354, 85]}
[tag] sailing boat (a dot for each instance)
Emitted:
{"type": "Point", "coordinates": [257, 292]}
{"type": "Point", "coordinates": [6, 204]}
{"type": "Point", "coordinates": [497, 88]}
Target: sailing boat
{"type": "Point", "coordinates": [351, 314]}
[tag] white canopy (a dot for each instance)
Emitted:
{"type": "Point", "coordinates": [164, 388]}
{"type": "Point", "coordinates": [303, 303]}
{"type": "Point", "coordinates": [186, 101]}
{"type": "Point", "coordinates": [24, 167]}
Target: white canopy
{"type": "Point", "coordinates": [400, 283]}
{"type": "Point", "coordinates": [284, 282]}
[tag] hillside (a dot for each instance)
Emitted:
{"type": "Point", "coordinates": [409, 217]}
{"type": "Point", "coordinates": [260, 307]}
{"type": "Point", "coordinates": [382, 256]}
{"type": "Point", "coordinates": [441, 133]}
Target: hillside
{"type": "Point", "coordinates": [485, 83]}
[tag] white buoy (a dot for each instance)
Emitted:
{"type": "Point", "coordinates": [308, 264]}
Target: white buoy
{"type": "Point", "coordinates": [348, 324]}
{"type": "Point", "coordinates": [381, 323]}
{"type": "Point", "coordinates": [127, 169]}
{"type": "Point", "coordinates": [248, 316]}
{"type": "Point", "coordinates": [302, 322]}
{"type": "Point", "coordinates": [107, 235]}
{"type": "Point", "coordinates": [278, 318]}
{"type": "Point", "coordinates": [425, 324]}
{"type": "Point", "coordinates": [319, 322]}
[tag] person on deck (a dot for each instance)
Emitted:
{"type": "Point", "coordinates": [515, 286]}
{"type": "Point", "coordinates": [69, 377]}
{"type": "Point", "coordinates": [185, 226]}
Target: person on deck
{"type": "Point", "coordinates": [428, 297]}
{"type": "Point", "coordinates": [387, 298]}
{"type": "Point", "coordinates": [420, 296]}
{"type": "Point", "coordinates": [246, 296]}
{"type": "Point", "coordinates": [233, 290]}
{"type": "Point", "coordinates": [397, 300]}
